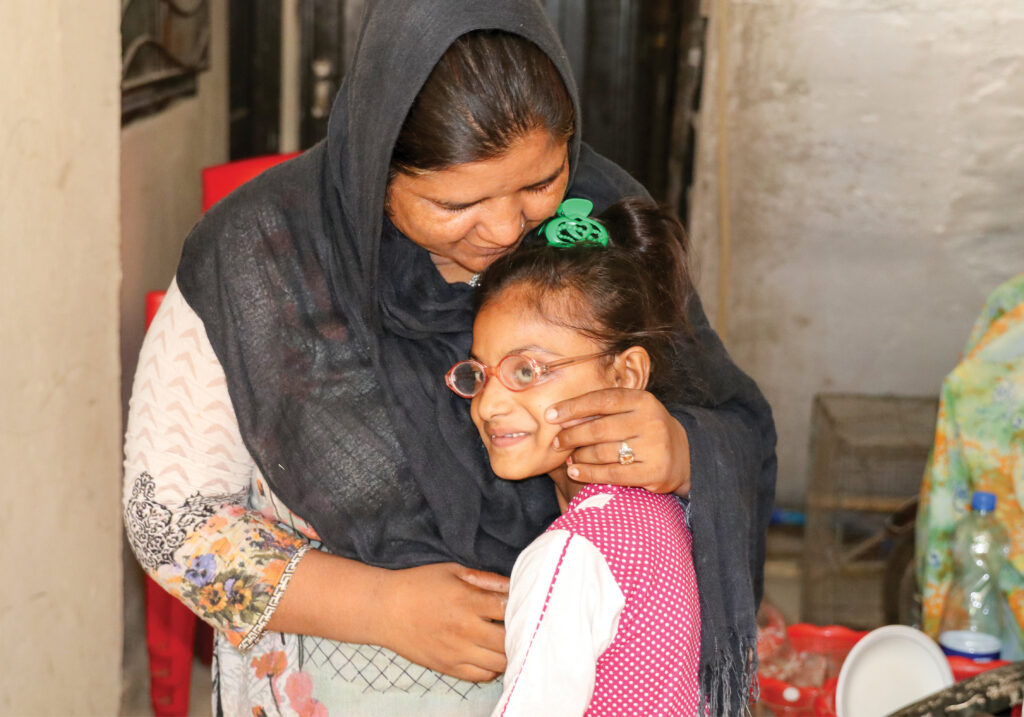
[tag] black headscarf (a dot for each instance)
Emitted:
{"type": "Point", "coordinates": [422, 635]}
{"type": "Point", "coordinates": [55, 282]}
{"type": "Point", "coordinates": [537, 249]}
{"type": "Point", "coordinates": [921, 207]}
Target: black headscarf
{"type": "Point", "coordinates": [335, 331]}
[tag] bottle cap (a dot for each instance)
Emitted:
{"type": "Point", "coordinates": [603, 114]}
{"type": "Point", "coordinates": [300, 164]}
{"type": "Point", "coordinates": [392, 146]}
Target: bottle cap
{"type": "Point", "coordinates": [983, 501]}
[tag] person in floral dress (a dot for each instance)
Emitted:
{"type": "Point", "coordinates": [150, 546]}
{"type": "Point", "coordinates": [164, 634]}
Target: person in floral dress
{"type": "Point", "coordinates": [979, 445]}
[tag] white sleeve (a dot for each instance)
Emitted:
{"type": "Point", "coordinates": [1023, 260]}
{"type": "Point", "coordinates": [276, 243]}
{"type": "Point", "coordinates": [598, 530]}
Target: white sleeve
{"type": "Point", "coordinates": [182, 430]}
{"type": "Point", "coordinates": [188, 475]}
{"type": "Point", "coordinates": [563, 611]}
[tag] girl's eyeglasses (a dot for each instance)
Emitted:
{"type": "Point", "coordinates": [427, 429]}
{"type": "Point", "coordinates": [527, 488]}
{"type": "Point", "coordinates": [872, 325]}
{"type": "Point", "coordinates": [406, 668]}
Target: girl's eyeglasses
{"type": "Point", "coordinates": [516, 372]}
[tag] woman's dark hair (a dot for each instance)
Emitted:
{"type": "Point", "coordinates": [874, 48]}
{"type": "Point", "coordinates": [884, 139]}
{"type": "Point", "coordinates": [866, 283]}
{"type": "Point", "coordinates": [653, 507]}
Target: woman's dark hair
{"type": "Point", "coordinates": [634, 292]}
{"type": "Point", "coordinates": [489, 89]}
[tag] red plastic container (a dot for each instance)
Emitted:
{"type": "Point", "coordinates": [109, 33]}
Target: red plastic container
{"type": "Point", "coordinates": [835, 642]}
{"type": "Point", "coordinates": [784, 699]}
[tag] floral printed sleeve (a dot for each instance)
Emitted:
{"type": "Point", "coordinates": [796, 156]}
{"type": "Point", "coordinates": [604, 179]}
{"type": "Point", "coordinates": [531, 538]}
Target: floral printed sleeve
{"type": "Point", "coordinates": [199, 517]}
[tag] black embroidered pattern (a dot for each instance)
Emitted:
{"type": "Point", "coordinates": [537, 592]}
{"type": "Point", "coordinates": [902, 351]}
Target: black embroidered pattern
{"type": "Point", "coordinates": [155, 531]}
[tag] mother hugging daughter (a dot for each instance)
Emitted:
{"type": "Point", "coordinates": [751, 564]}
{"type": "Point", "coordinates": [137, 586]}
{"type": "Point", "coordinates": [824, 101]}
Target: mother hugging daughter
{"type": "Point", "coordinates": [297, 472]}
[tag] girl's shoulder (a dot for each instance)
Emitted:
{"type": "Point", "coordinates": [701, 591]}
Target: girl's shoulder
{"type": "Point", "coordinates": [634, 514]}
{"type": "Point", "coordinates": [641, 536]}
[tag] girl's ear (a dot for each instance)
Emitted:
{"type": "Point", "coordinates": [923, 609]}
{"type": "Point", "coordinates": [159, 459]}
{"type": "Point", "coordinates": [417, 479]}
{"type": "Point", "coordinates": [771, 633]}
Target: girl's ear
{"type": "Point", "coordinates": [632, 368]}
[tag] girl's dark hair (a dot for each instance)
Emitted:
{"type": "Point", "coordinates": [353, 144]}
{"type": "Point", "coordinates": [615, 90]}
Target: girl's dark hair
{"type": "Point", "coordinates": [489, 89]}
{"type": "Point", "coordinates": [634, 292]}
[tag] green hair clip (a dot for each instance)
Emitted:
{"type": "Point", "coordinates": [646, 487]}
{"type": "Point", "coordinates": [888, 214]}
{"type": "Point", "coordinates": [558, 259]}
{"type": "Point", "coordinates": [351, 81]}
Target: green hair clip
{"type": "Point", "coordinates": [572, 225]}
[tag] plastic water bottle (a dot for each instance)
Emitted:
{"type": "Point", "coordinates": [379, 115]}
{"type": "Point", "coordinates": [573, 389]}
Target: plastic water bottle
{"type": "Point", "coordinates": [972, 620]}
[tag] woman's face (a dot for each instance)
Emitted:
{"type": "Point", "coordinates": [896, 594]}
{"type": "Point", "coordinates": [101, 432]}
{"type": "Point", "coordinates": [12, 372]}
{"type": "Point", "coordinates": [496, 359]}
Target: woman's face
{"type": "Point", "coordinates": [468, 215]}
{"type": "Point", "coordinates": [511, 423]}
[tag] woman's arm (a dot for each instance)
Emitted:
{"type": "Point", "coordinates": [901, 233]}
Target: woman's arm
{"type": "Point", "coordinates": [729, 468]}
{"type": "Point", "coordinates": [443, 616]}
{"type": "Point", "coordinates": [187, 485]}
{"type": "Point", "coordinates": [188, 479]}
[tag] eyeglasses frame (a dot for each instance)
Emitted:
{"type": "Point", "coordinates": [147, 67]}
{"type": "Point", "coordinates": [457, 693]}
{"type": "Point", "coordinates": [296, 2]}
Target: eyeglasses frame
{"type": "Point", "coordinates": [539, 370]}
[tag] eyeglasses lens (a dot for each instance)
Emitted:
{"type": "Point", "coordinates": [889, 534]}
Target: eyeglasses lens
{"type": "Point", "coordinates": [468, 378]}
{"type": "Point", "coordinates": [517, 372]}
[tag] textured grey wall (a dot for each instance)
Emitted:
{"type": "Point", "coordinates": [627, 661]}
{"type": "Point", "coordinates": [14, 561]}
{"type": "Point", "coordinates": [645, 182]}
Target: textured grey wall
{"type": "Point", "coordinates": [875, 174]}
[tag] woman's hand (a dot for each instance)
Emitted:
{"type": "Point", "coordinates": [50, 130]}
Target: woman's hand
{"type": "Point", "coordinates": [446, 617]}
{"type": "Point", "coordinates": [594, 426]}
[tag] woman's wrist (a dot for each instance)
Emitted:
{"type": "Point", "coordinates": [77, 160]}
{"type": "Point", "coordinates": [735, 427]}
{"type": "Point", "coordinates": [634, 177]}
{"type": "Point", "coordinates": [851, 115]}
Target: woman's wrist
{"type": "Point", "coordinates": [333, 597]}
{"type": "Point", "coordinates": [681, 458]}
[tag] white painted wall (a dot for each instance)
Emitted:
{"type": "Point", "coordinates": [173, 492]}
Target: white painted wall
{"type": "Point", "coordinates": [60, 421]}
{"type": "Point", "coordinates": [160, 200]}
{"type": "Point", "coordinates": [876, 181]}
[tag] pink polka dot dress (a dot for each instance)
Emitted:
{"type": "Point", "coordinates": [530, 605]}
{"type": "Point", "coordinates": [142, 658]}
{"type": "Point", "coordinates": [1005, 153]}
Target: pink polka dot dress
{"type": "Point", "coordinates": [603, 615]}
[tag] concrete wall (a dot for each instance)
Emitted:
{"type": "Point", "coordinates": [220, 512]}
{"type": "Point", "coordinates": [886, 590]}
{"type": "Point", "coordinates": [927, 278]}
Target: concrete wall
{"type": "Point", "coordinates": [875, 172]}
{"type": "Point", "coordinates": [60, 424]}
{"type": "Point", "coordinates": [161, 198]}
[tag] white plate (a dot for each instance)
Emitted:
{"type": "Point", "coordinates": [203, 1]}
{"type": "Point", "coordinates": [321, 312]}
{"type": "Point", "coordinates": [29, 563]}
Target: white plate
{"type": "Point", "coordinates": [890, 668]}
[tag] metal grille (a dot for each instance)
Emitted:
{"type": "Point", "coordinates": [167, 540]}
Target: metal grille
{"type": "Point", "coordinates": [165, 44]}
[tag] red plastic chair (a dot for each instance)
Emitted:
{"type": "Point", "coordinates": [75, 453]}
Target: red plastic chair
{"type": "Point", "coordinates": [222, 179]}
{"type": "Point", "coordinates": [170, 626]}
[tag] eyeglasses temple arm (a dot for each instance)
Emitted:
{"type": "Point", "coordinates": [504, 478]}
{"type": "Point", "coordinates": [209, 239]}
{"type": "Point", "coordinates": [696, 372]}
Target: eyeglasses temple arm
{"type": "Point", "coordinates": [573, 359]}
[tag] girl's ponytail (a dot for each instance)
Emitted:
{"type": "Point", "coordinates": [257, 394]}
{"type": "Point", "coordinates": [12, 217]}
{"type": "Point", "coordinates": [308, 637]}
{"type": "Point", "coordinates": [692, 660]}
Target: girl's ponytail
{"type": "Point", "coordinates": [659, 246]}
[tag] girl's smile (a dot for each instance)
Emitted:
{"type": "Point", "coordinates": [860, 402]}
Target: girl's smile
{"type": "Point", "coordinates": [504, 439]}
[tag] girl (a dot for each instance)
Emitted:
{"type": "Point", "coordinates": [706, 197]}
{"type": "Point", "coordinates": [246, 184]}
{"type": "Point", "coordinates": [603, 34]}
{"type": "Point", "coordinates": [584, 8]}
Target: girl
{"type": "Point", "coordinates": [603, 614]}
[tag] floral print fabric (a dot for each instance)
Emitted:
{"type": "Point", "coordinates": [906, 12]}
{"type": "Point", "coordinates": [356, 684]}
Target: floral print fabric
{"type": "Point", "coordinates": [979, 445]}
{"type": "Point", "coordinates": [228, 570]}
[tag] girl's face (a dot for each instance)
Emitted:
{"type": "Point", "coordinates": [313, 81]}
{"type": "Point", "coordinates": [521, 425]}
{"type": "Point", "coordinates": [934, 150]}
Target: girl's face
{"type": "Point", "coordinates": [511, 423]}
{"type": "Point", "coordinates": [468, 215]}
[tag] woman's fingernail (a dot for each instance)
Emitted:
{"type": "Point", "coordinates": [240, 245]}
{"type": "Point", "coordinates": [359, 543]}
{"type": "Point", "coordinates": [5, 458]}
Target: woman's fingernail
{"type": "Point", "coordinates": [568, 461]}
{"type": "Point", "coordinates": [555, 443]}
{"type": "Point", "coordinates": [574, 472]}
{"type": "Point", "coordinates": [551, 415]}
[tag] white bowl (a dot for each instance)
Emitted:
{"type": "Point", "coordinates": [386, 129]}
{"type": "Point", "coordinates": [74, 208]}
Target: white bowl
{"type": "Point", "coordinates": [890, 668]}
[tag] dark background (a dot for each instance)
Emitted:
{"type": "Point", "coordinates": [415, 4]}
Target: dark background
{"type": "Point", "coordinates": [637, 62]}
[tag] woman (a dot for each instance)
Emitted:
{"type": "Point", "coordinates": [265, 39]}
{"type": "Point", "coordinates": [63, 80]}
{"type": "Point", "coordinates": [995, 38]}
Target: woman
{"type": "Point", "coordinates": [288, 395]}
